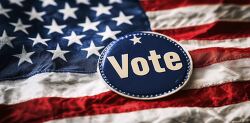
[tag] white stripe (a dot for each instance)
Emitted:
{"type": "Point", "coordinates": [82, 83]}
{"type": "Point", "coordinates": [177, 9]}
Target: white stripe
{"type": "Point", "coordinates": [225, 114]}
{"type": "Point", "coordinates": [76, 85]}
{"type": "Point", "coordinates": [220, 73]}
{"type": "Point", "coordinates": [197, 15]}
{"type": "Point", "coordinates": [50, 85]}
{"type": "Point", "coordinates": [227, 43]}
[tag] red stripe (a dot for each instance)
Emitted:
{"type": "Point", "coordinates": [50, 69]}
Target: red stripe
{"type": "Point", "coordinates": [213, 31]}
{"type": "Point", "coordinates": [208, 56]}
{"type": "Point", "coordinates": [44, 109]}
{"type": "Point", "coordinates": [153, 5]}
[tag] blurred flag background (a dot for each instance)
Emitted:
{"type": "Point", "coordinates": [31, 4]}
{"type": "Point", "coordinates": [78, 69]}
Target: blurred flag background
{"type": "Point", "coordinates": [49, 50]}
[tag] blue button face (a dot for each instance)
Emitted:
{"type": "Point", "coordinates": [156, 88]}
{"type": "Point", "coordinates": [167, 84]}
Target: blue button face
{"type": "Point", "coordinates": [145, 65]}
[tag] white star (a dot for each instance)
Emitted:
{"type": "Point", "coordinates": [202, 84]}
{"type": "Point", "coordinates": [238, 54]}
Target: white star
{"type": "Point", "coordinates": [4, 11]}
{"type": "Point", "coordinates": [83, 1]}
{"type": "Point", "coordinates": [101, 9]}
{"type": "Point", "coordinates": [73, 38]}
{"type": "Point", "coordinates": [115, 1]}
{"type": "Point", "coordinates": [136, 40]}
{"type": "Point", "coordinates": [20, 26]}
{"type": "Point", "coordinates": [109, 34]}
{"type": "Point", "coordinates": [39, 39]}
{"type": "Point", "coordinates": [89, 25]}
{"type": "Point", "coordinates": [68, 12]}
{"type": "Point", "coordinates": [123, 19]}
{"type": "Point", "coordinates": [18, 2]}
{"type": "Point", "coordinates": [24, 56]}
{"type": "Point", "coordinates": [92, 49]}
{"type": "Point", "coordinates": [5, 39]}
{"type": "Point", "coordinates": [54, 27]}
{"type": "Point", "coordinates": [35, 15]}
{"type": "Point", "coordinates": [58, 53]}
{"type": "Point", "coordinates": [48, 2]}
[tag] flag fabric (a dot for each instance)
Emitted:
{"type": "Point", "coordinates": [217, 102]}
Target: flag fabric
{"type": "Point", "coordinates": [49, 51]}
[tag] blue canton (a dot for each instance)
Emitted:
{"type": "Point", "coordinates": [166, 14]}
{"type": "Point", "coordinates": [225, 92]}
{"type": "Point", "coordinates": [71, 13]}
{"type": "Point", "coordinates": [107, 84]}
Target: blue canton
{"type": "Point", "coordinates": [39, 36]}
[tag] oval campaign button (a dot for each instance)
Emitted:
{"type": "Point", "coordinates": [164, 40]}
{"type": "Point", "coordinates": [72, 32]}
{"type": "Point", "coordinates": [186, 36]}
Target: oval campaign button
{"type": "Point", "coordinates": [145, 65]}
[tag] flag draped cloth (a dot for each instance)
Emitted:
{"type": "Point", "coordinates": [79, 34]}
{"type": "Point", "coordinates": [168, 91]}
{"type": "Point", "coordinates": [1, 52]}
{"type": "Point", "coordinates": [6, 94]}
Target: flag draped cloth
{"type": "Point", "coordinates": [49, 51]}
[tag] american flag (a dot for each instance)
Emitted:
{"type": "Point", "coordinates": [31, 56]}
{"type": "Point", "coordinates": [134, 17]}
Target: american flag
{"type": "Point", "coordinates": [49, 50]}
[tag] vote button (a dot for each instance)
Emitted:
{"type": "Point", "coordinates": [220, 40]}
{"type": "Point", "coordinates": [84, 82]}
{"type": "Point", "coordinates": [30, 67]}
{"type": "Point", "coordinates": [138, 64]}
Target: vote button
{"type": "Point", "coordinates": [145, 65]}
